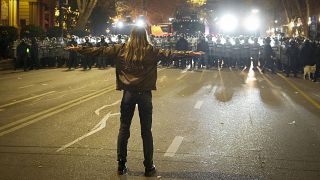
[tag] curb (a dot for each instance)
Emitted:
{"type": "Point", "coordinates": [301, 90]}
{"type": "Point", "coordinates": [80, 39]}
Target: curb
{"type": "Point", "coordinates": [6, 64]}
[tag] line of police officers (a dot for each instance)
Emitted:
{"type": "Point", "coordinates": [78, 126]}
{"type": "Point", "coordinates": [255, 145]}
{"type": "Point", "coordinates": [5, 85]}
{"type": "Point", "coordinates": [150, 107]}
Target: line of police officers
{"type": "Point", "coordinates": [287, 55]}
{"type": "Point", "coordinates": [50, 53]}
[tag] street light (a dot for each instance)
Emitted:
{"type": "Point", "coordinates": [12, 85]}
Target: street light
{"type": "Point", "coordinates": [252, 23]}
{"type": "Point", "coordinates": [255, 11]}
{"type": "Point", "coordinates": [140, 23]}
{"type": "Point", "coordinates": [228, 23]}
{"type": "Point", "coordinates": [120, 24]}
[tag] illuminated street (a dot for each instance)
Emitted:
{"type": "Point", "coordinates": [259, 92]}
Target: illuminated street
{"type": "Point", "coordinates": [207, 124]}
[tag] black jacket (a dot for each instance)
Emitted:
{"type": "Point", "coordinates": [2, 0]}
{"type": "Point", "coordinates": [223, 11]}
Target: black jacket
{"type": "Point", "coordinates": [133, 75]}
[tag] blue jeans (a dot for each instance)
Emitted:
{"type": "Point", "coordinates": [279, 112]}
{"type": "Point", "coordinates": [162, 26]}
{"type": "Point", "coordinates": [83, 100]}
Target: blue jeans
{"type": "Point", "coordinates": [128, 104]}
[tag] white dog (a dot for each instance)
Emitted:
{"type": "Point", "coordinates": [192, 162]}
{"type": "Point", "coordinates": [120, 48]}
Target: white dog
{"type": "Point", "coordinates": [308, 70]}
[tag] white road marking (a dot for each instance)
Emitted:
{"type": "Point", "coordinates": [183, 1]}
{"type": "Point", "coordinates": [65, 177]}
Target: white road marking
{"type": "Point", "coordinates": [26, 86]}
{"type": "Point", "coordinates": [44, 84]}
{"type": "Point", "coordinates": [316, 95]}
{"type": "Point", "coordinates": [184, 71]}
{"type": "Point", "coordinates": [160, 69]}
{"type": "Point", "coordinates": [182, 76]}
{"type": "Point", "coordinates": [102, 124]}
{"type": "Point", "coordinates": [108, 105]}
{"type": "Point", "coordinates": [173, 148]}
{"type": "Point", "coordinates": [213, 90]}
{"type": "Point", "coordinates": [162, 79]}
{"type": "Point", "coordinates": [198, 105]}
{"type": "Point", "coordinates": [27, 99]}
{"type": "Point", "coordinates": [11, 127]}
{"type": "Point", "coordinates": [208, 87]}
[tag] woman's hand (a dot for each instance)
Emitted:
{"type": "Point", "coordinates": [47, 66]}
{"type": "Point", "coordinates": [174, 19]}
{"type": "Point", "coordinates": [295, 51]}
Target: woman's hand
{"type": "Point", "coordinates": [198, 53]}
{"type": "Point", "coordinates": [72, 48]}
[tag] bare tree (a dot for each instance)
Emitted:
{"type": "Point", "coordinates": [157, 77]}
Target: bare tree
{"type": "Point", "coordinates": [85, 8]}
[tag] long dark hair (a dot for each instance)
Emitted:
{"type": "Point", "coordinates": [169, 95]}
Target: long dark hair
{"type": "Point", "coordinates": [137, 45]}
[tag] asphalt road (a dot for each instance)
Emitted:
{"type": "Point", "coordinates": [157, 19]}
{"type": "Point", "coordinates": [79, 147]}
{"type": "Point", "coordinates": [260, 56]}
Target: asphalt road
{"type": "Point", "coordinates": [210, 124]}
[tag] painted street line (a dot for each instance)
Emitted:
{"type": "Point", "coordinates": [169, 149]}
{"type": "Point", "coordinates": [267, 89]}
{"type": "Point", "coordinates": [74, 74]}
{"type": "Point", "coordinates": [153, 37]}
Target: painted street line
{"type": "Point", "coordinates": [11, 127]}
{"type": "Point", "coordinates": [208, 86]}
{"type": "Point", "coordinates": [213, 90]}
{"type": "Point", "coordinates": [26, 86]}
{"type": "Point", "coordinates": [316, 94]}
{"type": "Point", "coordinates": [173, 148]}
{"type": "Point", "coordinates": [162, 79]}
{"type": "Point", "coordinates": [182, 76]}
{"type": "Point", "coordinates": [304, 94]}
{"type": "Point", "coordinates": [184, 71]}
{"type": "Point", "coordinates": [161, 69]}
{"type": "Point", "coordinates": [101, 125]}
{"type": "Point", "coordinates": [27, 99]}
{"type": "Point", "coordinates": [105, 106]}
{"type": "Point", "coordinates": [198, 105]}
{"type": "Point", "coordinates": [28, 74]}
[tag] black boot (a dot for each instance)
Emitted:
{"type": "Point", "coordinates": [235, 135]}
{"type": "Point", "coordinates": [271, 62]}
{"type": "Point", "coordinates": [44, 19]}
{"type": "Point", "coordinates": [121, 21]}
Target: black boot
{"type": "Point", "coordinates": [151, 171]}
{"type": "Point", "coordinates": [122, 168]}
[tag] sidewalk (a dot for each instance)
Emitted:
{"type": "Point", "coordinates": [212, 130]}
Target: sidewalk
{"type": "Point", "coordinates": [6, 64]}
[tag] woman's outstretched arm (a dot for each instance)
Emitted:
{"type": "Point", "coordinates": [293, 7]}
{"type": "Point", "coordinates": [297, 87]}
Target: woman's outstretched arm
{"type": "Point", "coordinates": [165, 53]}
{"type": "Point", "coordinates": [96, 51]}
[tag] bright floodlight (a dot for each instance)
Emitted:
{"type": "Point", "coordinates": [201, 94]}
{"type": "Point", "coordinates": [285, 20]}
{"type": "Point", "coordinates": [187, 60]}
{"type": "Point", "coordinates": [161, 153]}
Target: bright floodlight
{"type": "Point", "coordinates": [255, 11]}
{"type": "Point", "coordinates": [140, 23]}
{"type": "Point", "coordinates": [252, 23]}
{"type": "Point", "coordinates": [228, 23]}
{"type": "Point", "coordinates": [120, 24]}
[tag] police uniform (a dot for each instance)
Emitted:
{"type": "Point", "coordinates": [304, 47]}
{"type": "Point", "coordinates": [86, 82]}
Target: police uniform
{"type": "Point", "coordinates": [102, 61]}
{"type": "Point", "coordinates": [211, 52]}
{"type": "Point", "coordinates": [23, 55]}
{"type": "Point", "coordinates": [277, 50]}
{"type": "Point", "coordinates": [72, 54]}
{"type": "Point", "coordinates": [255, 50]}
{"type": "Point", "coordinates": [236, 54]}
{"type": "Point", "coordinates": [245, 54]}
{"type": "Point", "coordinates": [227, 54]}
{"type": "Point", "coordinates": [87, 60]}
{"type": "Point", "coordinates": [218, 53]}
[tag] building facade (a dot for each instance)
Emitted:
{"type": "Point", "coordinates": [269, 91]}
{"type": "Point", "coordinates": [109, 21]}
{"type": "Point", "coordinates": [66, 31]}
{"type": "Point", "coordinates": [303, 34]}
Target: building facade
{"type": "Point", "coordinates": [19, 13]}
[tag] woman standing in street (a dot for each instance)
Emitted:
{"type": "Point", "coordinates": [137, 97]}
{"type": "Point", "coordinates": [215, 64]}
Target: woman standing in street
{"type": "Point", "coordinates": [136, 75]}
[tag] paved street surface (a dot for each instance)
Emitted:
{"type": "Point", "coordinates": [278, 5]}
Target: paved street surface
{"type": "Point", "coordinates": [58, 124]}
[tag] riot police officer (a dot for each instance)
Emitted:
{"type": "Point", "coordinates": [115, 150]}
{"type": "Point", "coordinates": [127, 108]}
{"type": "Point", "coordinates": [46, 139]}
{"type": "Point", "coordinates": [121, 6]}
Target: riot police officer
{"type": "Point", "coordinates": [276, 48]}
{"type": "Point", "coordinates": [182, 45]}
{"type": "Point", "coordinates": [102, 61]}
{"type": "Point", "coordinates": [204, 47]}
{"type": "Point", "coordinates": [268, 56]}
{"type": "Point", "coordinates": [22, 54]}
{"type": "Point", "coordinates": [255, 50]}
{"type": "Point", "coordinates": [211, 51]}
{"type": "Point", "coordinates": [227, 53]}
{"type": "Point", "coordinates": [235, 59]}
{"type": "Point", "coordinates": [218, 52]}
{"type": "Point", "coordinates": [72, 54]}
{"type": "Point", "coordinates": [87, 60]}
{"type": "Point", "coordinates": [34, 54]}
{"type": "Point", "coordinates": [293, 62]}
{"type": "Point", "coordinates": [245, 54]}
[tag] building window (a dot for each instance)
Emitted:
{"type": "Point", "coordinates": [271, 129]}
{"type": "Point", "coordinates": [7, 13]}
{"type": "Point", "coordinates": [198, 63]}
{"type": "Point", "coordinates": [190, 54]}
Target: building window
{"type": "Point", "coordinates": [4, 12]}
